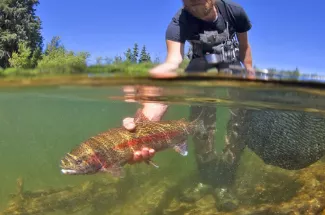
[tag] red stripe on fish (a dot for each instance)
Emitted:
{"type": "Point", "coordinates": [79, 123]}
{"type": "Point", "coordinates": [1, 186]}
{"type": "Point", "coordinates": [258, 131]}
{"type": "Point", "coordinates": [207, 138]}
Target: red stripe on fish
{"type": "Point", "coordinates": [143, 139]}
{"type": "Point", "coordinates": [97, 159]}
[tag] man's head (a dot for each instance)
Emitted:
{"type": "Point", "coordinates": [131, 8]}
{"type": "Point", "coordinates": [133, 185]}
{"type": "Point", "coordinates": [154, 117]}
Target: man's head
{"type": "Point", "coordinates": [199, 8]}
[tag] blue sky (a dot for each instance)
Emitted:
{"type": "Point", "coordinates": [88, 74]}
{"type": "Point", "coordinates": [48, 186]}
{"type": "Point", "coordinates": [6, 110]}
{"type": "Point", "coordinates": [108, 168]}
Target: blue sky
{"type": "Point", "coordinates": [285, 34]}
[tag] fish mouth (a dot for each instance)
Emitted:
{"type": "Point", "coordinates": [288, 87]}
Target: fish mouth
{"type": "Point", "coordinates": [69, 172]}
{"type": "Point", "coordinates": [80, 172]}
{"type": "Point", "coordinates": [70, 165]}
{"type": "Point", "coordinates": [66, 165]}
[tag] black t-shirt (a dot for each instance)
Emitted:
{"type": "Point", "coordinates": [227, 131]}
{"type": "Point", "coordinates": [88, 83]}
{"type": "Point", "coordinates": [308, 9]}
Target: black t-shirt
{"type": "Point", "coordinates": [184, 26]}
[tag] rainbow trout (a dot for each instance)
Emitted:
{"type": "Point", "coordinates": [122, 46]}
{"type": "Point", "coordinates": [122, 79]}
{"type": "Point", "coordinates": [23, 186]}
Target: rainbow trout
{"type": "Point", "coordinates": [109, 151]}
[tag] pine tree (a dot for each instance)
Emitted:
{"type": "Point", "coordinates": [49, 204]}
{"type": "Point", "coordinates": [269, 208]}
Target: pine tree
{"type": "Point", "coordinates": [128, 55]}
{"type": "Point", "coordinates": [99, 60]}
{"type": "Point", "coordinates": [118, 59]}
{"type": "Point", "coordinates": [108, 60]}
{"type": "Point", "coordinates": [135, 54]}
{"type": "Point", "coordinates": [157, 60]}
{"type": "Point", "coordinates": [148, 57]}
{"type": "Point", "coordinates": [143, 55]}
{"type": "Point", "coordinates": [18, 25]}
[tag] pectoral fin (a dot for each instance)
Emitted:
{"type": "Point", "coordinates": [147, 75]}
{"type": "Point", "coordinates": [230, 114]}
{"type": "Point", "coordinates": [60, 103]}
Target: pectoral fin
{"type": "Point", "coordinates": [181, 148]}
{"type": "Point", "coordinates": [116, 171]}
{"type": "Point", "coordinates": [150, 162]}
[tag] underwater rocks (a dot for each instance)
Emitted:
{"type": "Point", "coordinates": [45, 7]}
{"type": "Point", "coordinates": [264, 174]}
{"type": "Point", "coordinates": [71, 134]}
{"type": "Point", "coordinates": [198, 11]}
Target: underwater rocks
{"type": "Point", "coordinates": [259, 190]}
{"type": "Point", "coordinates": [67, 199]}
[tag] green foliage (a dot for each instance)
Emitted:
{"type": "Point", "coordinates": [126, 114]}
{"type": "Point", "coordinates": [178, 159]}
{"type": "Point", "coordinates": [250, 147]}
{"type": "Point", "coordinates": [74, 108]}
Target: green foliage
{"type": "Point", "coordinates": [135, 53]}
{"type": "Point", "coordinates": [57, 58]}
{"type": "Point", "coordinates": [21, 58]}
{"type": "Point", "coordinates": [117, 59]}
{"type": "Point", "coordinates": [99, 60]}
{"type": "Point", "coordinates": [108, 60]}
{"type": "Point", "coordinates": [54, 46]}
{"type": "Point", "coordinates": [184, 64]}
{"type": "Point", "coordinates": [284, 73]}
{"type": "Point", "coordinates": [157, 60]}
{"type": "Point", "coordinates": [296, 72]}
{"type": "Point", "coordinates": [125, 67]}
{"type": "Point", "coordinates": [24, 58]}
{"type": "Point", "coordinates": [144, 56]}
{"type": "Point", "coordinates": [128, 55]}
{"type": "Point", "coordinates": [18, 24]}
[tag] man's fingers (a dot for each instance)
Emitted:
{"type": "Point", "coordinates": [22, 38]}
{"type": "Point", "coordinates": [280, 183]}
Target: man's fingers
{"type": "Point", "coordinates": [137, 156]}
{"type": "Point", "coordinates": [145, 153]}
{"type": "Point", "coordinates": [151, 152]}
{"type": "Point", "coordinates": [165, 74]}
{"type": "Point", "coordinates": [129, 124]}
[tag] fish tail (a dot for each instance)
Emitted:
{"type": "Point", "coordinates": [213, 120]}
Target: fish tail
{"type": "Point", "coordinates": [198, 124]}
{"type": "Point", "coordinates": [198, 118]}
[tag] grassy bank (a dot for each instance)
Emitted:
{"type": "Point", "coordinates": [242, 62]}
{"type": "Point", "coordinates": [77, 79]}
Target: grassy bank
{"type": "Point", "coordinates": [122, 68]}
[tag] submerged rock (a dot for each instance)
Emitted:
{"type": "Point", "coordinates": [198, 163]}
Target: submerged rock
{"type": "Point", "coordinates": [259, 189]}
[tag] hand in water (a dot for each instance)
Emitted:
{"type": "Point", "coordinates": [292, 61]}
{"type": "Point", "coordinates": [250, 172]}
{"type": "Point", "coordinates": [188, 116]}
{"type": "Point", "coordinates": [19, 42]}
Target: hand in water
{"type": "Point", "coordinates": [150, 111]}
{"type": "Point", "coordinates": [144, 154]}
{"type": "Point", "coordinates": [164, 70]}
{"type": "Point", "coordinates": [251, 73]}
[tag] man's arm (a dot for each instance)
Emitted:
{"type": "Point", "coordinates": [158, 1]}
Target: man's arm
{"type": "Point", "coordinates": [245, 51]}
{"type": "Point", "coordinates": [175, 52]}
{"type": "Point", "coordinates": [175, 56]}
{"type": "Point", "coordinates": [155, 111]}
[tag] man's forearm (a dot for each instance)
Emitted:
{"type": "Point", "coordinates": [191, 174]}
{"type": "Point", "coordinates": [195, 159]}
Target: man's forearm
{"type": "Point", "coordinates": [246, 56]}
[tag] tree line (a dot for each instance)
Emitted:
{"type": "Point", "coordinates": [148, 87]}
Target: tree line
{"type": "Point", "coordinates": [130, 56]}
{"type": "Point", "coordinates": [21, 45]}
{"type": "Point", "coordinates": [273, 72]}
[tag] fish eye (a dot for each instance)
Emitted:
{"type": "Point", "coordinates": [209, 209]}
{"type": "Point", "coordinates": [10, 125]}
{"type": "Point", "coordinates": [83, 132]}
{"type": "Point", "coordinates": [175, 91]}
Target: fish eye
{"type": "Point", "coordinates": [78, 161]}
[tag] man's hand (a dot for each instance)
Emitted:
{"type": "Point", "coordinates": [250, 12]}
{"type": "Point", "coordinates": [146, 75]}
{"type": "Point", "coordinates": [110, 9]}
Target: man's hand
{"type": "Point", "coordinates": [140, 156]}
{"type": "Point", "coordinates": [150, 111]}
{"type": "Point", "coordinates": [250, 73]}
{"type": "Point", "coordinates": [164, 70]}
{"type": "Point", "coordinates": [175, 55]}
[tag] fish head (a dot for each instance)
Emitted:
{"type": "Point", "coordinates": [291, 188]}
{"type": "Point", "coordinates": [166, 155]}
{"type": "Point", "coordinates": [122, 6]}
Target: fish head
{"type": "Point", "coordinates": [81, 161]}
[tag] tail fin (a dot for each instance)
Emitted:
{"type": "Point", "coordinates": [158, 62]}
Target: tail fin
{"type": "Point", "coordinates": [198, 125]}
{"type": "Point", "coordinates": [198, 117]}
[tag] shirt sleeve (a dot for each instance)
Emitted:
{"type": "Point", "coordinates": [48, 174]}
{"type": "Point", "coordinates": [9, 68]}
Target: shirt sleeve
{"type": "Point", "coordinates": [243, 23]}
{"type": "Point", "coordinates": [176, 28]}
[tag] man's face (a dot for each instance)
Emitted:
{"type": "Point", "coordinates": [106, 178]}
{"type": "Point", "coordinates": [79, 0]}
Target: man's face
{"type": "Point", "coordinates": [199, 8]}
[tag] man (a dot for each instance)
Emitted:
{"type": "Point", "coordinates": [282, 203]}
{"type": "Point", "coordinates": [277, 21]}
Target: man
{"type": "Point", "coordinates": [194, 18]}
{"type": "Point", "coordinates": [198, 22]}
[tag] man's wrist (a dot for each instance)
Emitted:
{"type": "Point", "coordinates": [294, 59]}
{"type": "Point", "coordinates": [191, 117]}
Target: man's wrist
{"type": "Point", "coordinates": [249, 68]}
{"type": "Point", "coordinates": [173, 65]}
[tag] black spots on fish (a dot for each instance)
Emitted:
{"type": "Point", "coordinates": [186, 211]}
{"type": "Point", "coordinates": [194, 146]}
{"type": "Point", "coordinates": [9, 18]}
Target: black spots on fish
{"type": "Point", "coordinates": [79, 150]}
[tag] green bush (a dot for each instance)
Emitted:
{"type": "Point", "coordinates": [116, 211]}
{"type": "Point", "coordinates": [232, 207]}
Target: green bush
{"type": "Point", "coordinates": [59, 61]}
{"type": "Point", "coordinates": [9, 72]}
{"type": "Point", "coordinates": [124, 67]}
{"type": "Point", "coordinates": [56, 59]}
{"type": "Point", "coordinates": [21, 59]}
